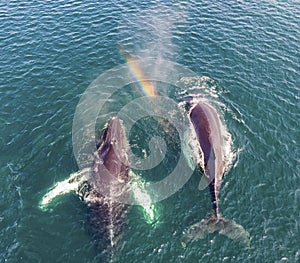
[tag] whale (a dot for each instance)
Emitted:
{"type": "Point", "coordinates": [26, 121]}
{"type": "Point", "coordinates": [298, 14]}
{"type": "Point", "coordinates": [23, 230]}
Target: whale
{"type": "Point", "coordinates": [206, 124]}
{"type": "Point", "coordinates": [103, 188]}
{"type": "Point", "coordinates": [108, 181]}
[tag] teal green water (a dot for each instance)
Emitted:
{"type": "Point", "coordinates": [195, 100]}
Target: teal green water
{"type": "Point", "coordinates": [52, 50]}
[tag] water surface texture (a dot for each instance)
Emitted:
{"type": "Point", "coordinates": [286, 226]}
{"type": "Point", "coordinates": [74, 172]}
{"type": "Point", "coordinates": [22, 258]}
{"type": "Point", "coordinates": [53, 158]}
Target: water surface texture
{"type": "Point", "coordinates": [50, 51]}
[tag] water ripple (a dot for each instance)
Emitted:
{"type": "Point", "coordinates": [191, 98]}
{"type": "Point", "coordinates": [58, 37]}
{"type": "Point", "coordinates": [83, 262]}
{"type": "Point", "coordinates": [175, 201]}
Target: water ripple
{"type": "Point", "coordinates": [50, 53]}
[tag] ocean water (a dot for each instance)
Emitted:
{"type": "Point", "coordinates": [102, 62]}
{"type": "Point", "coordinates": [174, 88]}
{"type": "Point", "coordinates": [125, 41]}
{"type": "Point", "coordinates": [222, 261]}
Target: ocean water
{"type": "Point", "coordinates": [50, 52]}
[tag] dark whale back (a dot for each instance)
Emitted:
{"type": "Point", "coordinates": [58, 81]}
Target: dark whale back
{"type": "Point", "coordinates": [206, 124]}
{"type": "Point", "coordinates": [202, 129]}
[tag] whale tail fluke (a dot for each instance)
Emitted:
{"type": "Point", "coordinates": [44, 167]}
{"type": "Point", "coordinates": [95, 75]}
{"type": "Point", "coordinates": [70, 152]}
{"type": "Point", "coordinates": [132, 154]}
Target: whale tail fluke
{"type": "Point", "coordinates": [213, 224]}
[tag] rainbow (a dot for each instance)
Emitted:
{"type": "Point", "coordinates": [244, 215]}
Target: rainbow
{"type": "Point", "coordinates": [145, 86]}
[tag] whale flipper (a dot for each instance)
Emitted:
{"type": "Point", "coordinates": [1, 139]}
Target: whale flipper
{"type": "Point", "coordinates": [72, 183]}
